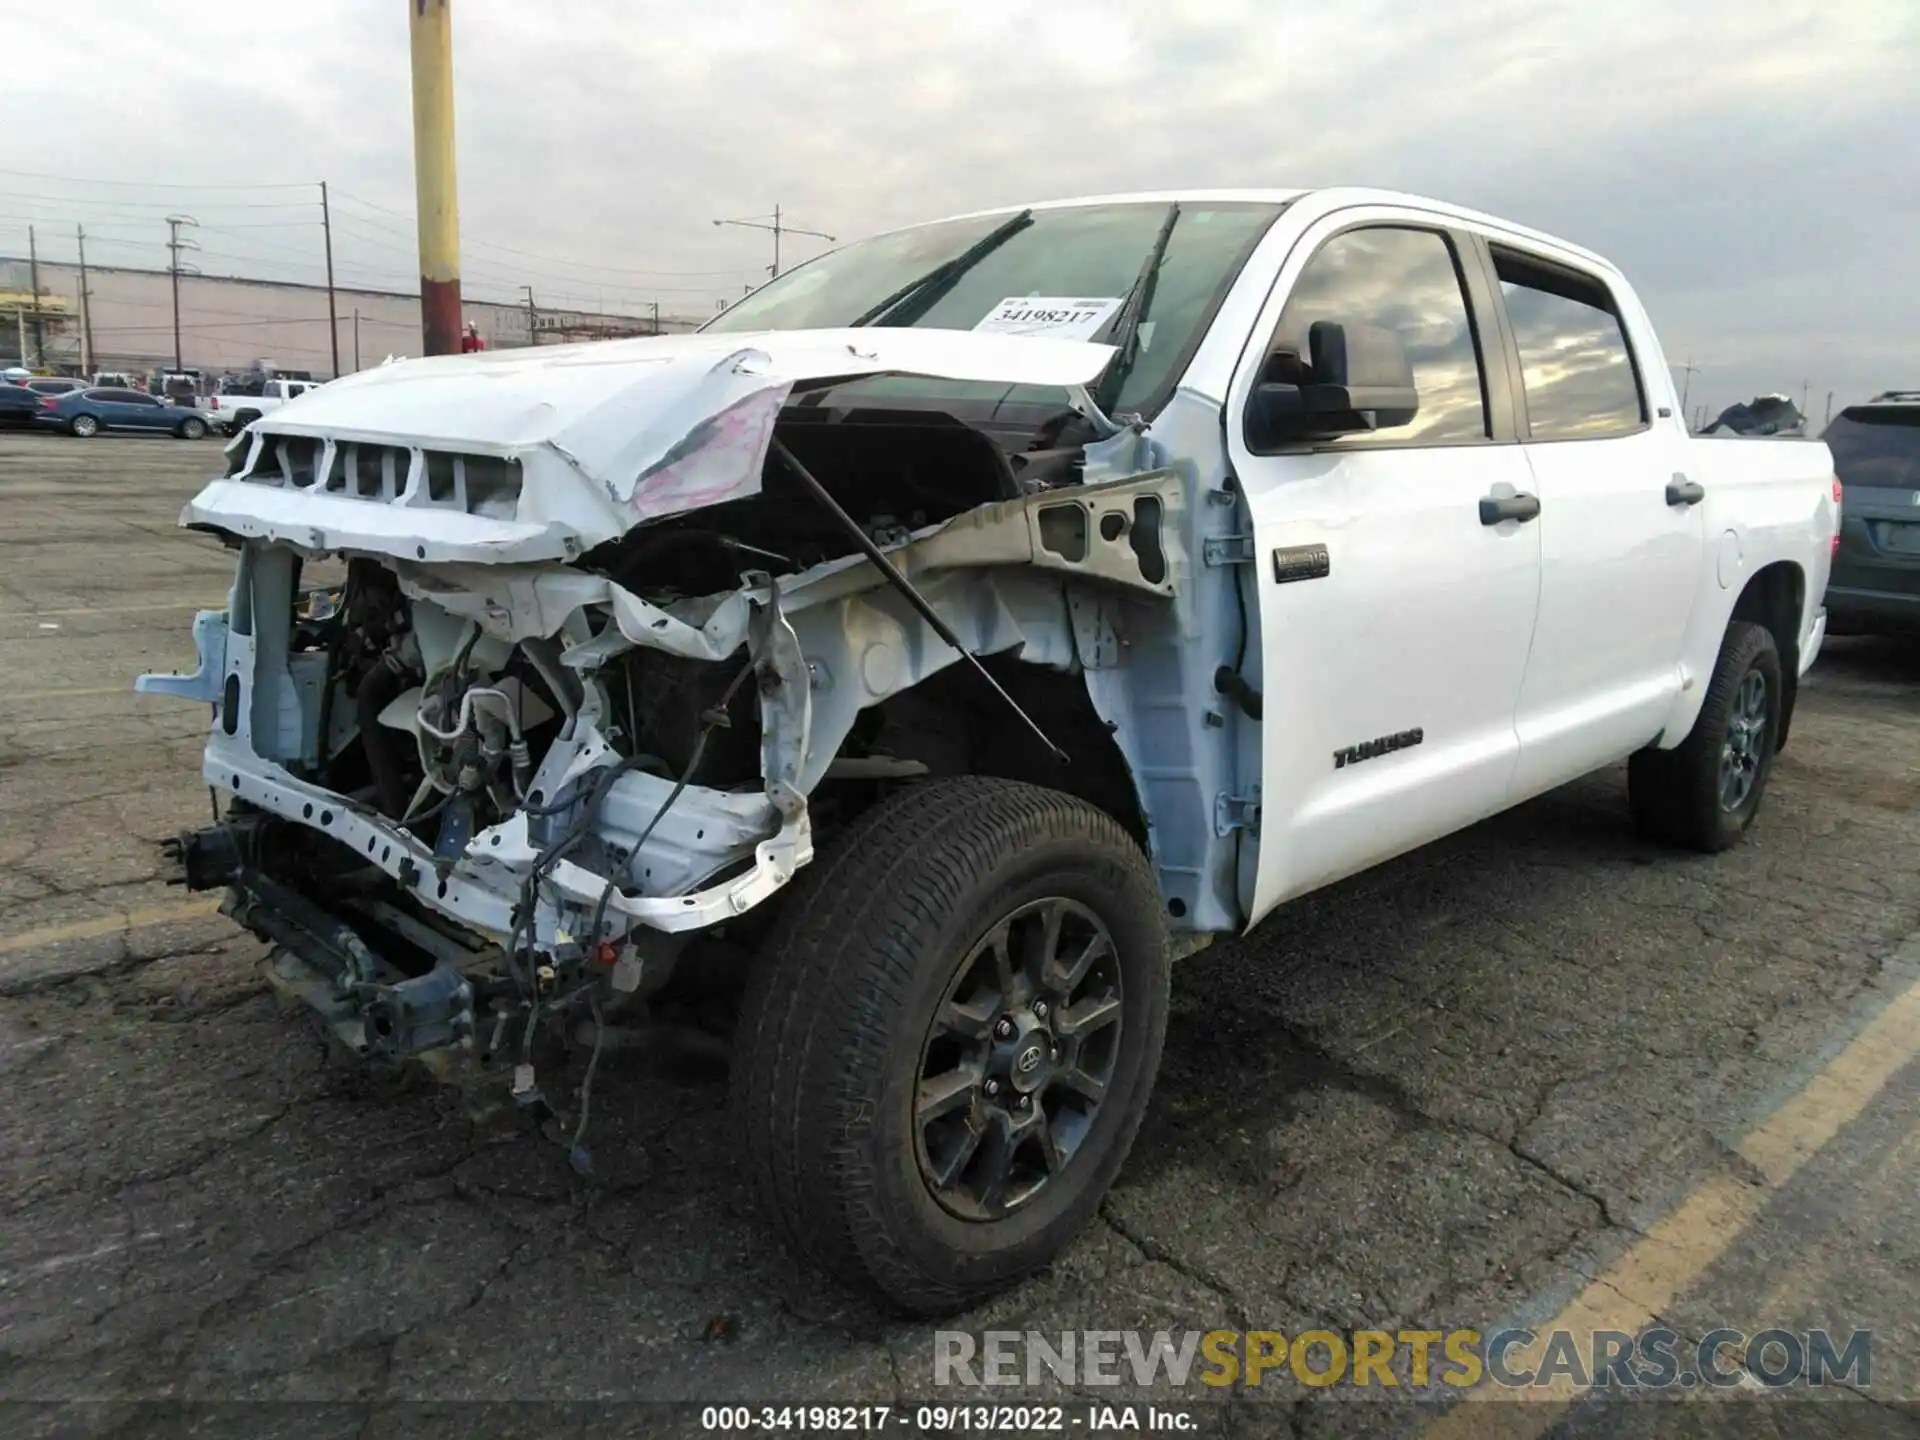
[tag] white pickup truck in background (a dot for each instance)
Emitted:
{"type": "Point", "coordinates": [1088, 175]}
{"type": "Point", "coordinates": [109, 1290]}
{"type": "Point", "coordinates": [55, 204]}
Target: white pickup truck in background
{"type": "Point", "coordinates": [230, 411]}
{"type": "Point", "coordinates": [961, 626]}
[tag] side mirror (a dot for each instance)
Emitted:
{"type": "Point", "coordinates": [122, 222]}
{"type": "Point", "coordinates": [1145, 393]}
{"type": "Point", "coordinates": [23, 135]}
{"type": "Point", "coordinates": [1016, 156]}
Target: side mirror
{"type": "Point", "coordinates": [1358, 379]}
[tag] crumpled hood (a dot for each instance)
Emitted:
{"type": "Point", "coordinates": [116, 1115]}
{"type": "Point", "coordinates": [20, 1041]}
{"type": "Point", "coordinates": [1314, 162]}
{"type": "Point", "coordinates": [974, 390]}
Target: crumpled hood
{"type": "Point", "coordinates": [607, 434]}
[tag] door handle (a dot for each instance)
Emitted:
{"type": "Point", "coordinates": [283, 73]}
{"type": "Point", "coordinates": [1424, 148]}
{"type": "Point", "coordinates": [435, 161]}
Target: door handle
{"type": "Point", "coordinates": [1495, 508]}
{"type": "Point", "coordinates": [1682, 491]}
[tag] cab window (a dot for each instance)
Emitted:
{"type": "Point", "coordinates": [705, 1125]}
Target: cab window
{"type": "Point", "coordinates": [1575, 364]}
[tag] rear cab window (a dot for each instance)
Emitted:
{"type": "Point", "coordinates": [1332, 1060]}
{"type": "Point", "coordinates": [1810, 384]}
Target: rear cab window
{"type": "Point", "coordinates": [1577, 367]}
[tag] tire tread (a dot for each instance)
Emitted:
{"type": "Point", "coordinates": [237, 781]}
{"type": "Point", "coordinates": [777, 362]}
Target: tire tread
{"type": "Point", "coordinates": [843, 960]}
{"type": "Point", "coordinates": [1674, 794]}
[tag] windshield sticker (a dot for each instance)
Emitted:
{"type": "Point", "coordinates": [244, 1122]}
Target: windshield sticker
{"type": "Point", "coordinates": [1057, 317]}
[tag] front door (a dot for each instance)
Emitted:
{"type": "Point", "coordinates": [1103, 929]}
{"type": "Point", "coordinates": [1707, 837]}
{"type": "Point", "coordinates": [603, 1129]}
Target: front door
{"type": "Point", "coordinates": [143, 412]}
{"type": "Point", "coordinates": [1396, 611]}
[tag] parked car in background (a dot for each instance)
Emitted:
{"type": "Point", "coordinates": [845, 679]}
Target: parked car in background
{"type": "Point", "coordinates": [54, 384]}
{"type": "Point", "coordinates": [87, 412]}
{"type": "Point", "coordinates": [117, 380]}
{"type": "Point", "coordinates": [229, 411]}
{"type": "Point", "coordinates": [18, 406]}
{"type": "Point", "coordinates": [180, 388]}
{"type": "Point", "coordinates": [1875, 585]}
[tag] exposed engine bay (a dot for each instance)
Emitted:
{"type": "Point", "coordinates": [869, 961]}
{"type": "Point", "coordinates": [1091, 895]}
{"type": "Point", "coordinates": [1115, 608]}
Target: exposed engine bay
{"type": "Point", "coordinates": [473, 790]}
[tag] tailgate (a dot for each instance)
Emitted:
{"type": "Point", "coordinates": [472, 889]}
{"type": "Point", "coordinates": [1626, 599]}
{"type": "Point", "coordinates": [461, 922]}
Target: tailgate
{"type": "Point", "coordinates": [1884, 522]}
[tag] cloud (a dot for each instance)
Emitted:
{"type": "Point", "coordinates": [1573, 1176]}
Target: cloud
{"type": "Point", "coordinates": [1747, 166]}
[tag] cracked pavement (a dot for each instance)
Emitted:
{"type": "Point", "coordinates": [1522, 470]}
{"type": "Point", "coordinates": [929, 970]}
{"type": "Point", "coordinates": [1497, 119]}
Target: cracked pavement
{"type": "Point", "coordinates": [1446, 1092]}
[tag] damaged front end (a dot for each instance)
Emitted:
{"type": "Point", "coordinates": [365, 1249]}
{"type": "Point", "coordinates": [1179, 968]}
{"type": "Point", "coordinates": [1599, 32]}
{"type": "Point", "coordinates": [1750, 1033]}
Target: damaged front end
{"type": "Point", "coordinates": [538, 672]}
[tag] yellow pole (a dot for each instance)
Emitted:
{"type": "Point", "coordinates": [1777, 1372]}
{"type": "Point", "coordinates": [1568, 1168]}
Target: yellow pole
{"type": "Point", "coordinates": [437, 194]}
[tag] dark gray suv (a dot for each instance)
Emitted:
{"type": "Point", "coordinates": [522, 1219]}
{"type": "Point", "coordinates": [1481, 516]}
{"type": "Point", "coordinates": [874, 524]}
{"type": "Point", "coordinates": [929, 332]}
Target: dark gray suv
{"type": "Point", "coordinates": [1875, 584]}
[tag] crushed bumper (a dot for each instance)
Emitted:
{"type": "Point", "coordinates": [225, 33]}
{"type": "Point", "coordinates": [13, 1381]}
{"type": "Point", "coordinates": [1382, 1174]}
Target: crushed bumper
{"type": "Point", "coordinates": [331, 956]}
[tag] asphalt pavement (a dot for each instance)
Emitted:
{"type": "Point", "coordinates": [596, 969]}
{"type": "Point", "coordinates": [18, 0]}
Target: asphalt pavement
{"type": "Point", "coordinates": [1511, 1077]}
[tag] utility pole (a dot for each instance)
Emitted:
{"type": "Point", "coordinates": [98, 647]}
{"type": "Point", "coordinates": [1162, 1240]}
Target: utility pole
{"type": "Point", "coordinates": [1829, 420]}
{"type": "Point", "coordinates": [656, 316]}
{"type": "Point", "coordinates": [779, 228]}
{"type": "Point", "coordinates": [333, 318]}
{"type": "Point", "coordinates": [436, 189]}
{"type": "Point", "coordinates": [174, 246]}
{"type": "Point", "coordinates": [533, 318]}
{"type": "Point", "coordinates": [1686, 384]}
{"type": "Point", "coordinates": [39, 329]}
{"type": "Point", "coordinates": [356, 337]}
{"type": "Point", "coordinates": [86, 305]}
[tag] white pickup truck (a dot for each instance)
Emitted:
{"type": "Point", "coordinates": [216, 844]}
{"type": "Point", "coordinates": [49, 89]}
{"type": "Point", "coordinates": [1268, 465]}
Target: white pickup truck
{"type": "Point", "coordinates": [229, 411]}
{"type": "Point", "coordinates": [958, 630]}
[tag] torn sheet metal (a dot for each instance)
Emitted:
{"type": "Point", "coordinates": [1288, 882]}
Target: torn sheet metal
{"type": "Point", "coordinates": [1121, 533]}
{"type": "Point", "coordinates": [606, 435]}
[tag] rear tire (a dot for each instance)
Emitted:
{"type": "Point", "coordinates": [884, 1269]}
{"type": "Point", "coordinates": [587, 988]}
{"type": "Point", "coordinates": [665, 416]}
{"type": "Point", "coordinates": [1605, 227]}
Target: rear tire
{"type": "Point", "coordinates": [242, 420]}
{"type": "Point", "coordinates": [855, 1088]}
{"type": "Point", "coordinates": [84, 426]}
{"type": "Point", "coordinates": [1704, 793]}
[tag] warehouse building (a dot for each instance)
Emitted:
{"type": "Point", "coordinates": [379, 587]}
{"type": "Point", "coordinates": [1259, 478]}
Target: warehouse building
{"type": "Point", "coordinates": [126, 322]}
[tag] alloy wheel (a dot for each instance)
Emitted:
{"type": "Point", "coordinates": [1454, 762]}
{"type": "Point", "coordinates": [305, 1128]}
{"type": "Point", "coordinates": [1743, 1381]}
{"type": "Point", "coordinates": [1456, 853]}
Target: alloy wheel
{"type": "Point", "coordinates": [1745, 745]}
{"type": "Point", "coordinates": [1018, 1059]}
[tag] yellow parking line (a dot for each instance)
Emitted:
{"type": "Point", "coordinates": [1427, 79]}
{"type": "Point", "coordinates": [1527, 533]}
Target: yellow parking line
{"type": "Point", "coordinates": [109, 924]}
{"type": "Point", "coordinates": [1675, 1253]}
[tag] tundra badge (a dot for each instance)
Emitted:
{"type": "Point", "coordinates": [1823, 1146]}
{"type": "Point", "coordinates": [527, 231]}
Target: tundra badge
{"type": "Point", "coordinates": [1385, 745]}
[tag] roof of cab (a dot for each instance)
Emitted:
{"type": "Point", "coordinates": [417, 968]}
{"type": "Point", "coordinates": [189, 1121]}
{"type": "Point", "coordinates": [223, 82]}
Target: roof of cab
{"type": "Point", "coordinates": [1338, 196]}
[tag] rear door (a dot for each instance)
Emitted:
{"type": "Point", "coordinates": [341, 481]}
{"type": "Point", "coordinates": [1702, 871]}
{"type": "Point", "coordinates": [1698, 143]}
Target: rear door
{"type": "Point", "coordinates": [1395, 616]}
{"type": "Point", "coordinates": [1876, 454]}
{"type": "Point", "coordinates": [1621, 542]}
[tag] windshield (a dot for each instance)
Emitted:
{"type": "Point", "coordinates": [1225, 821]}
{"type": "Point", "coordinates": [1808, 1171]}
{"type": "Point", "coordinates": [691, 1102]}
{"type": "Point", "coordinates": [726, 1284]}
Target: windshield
{"type": "Point", "coordinates": [1877, 447]}
{"type": "Point", "coordinates": [1083, 259]}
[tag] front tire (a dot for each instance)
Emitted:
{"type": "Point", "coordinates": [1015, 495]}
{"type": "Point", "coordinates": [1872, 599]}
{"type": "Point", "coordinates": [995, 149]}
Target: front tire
{"type": "Point", "coordinates": [192, 429]}
{"type": "Point", "coordinates": [84, 426]}
{"type": "Point", "coordinates": [1704, 793]}
{"type": "Point", "coordinates": [946, 1050]}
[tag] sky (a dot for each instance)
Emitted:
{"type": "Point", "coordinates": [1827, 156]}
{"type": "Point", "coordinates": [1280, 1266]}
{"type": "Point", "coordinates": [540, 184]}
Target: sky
{"type": "Point", "coordinates": [1752, 167]}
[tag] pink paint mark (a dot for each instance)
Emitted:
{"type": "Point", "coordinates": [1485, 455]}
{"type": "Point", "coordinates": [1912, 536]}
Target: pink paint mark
{"type": "Point", "coordinates": [718, 460]}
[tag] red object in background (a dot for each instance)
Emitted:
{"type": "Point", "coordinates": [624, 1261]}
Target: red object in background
{"type": "Point", "coordinates": [471, 341]}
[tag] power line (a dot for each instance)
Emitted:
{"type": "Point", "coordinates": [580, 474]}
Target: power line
{"type": "Point", "coordinates": [572, 273]}
{"type": "Point", "coordinates": [506, 273]}
{"type": "Point", "coordinates": [95, 202]}
{"type": "Point", "coordinates": [158, 184]}
{"type": "Point", "coordinates": [141, 227]}
{"type": "Point", "coordinates": [760, 222]}
{"type": "Point", "coordinates": [536, 255]}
